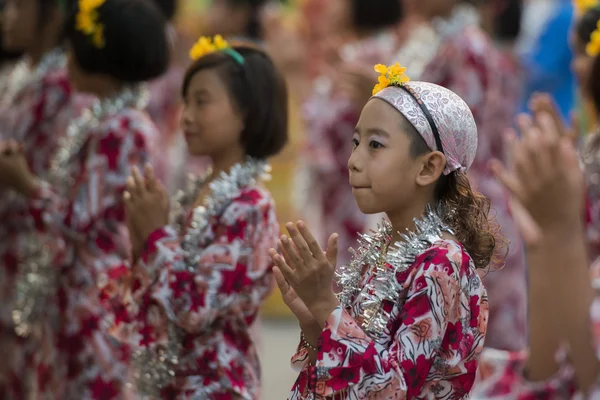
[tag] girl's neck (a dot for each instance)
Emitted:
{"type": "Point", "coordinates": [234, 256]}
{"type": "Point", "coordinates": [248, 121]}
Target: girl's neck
{"type": "Point", "coordinates": [224, 162]}
{"type": "Point", "coordinates": [403, 220]}
{"type": "Point", "coordinates": [107, 89]}
{"type": "Point", "coordinates": [37, 52]}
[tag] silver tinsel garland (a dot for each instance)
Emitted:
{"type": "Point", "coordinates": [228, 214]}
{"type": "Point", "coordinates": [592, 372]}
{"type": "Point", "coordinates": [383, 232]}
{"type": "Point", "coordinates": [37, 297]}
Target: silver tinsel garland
{"type": "Point", "coordinates": [36, 278]}
{"type": "Point", "coordinates": [22, 75]}
{"type": "Point", "coordinates": [385, 259]}
{"type": "Point", "coordinates": [154, 369]}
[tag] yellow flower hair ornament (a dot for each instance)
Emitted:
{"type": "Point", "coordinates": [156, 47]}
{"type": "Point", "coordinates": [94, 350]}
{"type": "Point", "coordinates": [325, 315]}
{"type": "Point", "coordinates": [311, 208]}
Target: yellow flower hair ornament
{"type": "Point", "coordinates": [87, 22]}
{"type": "Point", "coordinates": [593, 47]}
{"type": "Point", "coordinates": [389, 76]}
{"type": "Point", "coordinates": [206, 45]}
{"type": "Point", "coordinates": [581, 6]}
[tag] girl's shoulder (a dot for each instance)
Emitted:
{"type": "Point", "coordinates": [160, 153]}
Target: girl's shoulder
{"type": "Point", "coordinates": [129, 120]}
{"type": "Point", "coordinates": [253, 197]}
{"type": "Point", "coordinates": [446, 256]}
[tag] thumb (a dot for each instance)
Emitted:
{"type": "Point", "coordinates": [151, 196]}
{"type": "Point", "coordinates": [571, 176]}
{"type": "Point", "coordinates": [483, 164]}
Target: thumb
{"type": "Point", "coordinates": [332, 250]}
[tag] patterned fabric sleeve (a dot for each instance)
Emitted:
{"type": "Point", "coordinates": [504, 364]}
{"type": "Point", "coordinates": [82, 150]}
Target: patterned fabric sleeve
{"type": "Point", "coordinates": [230, 276]}
{"type": "Point", "coordinates": [431, 317]}
{"type": "Point", "coordinates": [38, 120]}
{"type": "Point", "coordinates": [91, 217]}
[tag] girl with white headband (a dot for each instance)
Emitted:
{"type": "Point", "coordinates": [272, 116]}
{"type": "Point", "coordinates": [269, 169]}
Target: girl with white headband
{"type": "Point", "coordinates": [411, 316]}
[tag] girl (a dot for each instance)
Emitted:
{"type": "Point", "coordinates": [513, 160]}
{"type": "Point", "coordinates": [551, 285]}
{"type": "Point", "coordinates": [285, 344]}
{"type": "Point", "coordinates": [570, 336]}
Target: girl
{"type": "Point", "coordinates": [114, 45]}
{"type": "Point", "coordinates": [557, 241]}
{"type": "Point", "coordinates": [583, 57]}
{"type": "Point", "coordinates": [411, 317]}
{"type": "Point", "coordinates": [36, 103]}
{"type": "Point", "coordinates": [199, 281]}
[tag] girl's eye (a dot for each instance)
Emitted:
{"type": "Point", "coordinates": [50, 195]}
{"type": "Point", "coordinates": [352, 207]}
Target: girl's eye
{"type": "Point", "coordinates": [375, 144]}
{"type": "Point", "coordinates": [355, 142]}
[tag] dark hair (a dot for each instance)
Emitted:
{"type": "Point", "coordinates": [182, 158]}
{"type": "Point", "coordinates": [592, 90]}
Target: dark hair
{"type": "Point", "coordinates": [258, 90]}
{"type": "Point", "coordinates": [167, 8]}
{"type": "Point", "coordinates": [468, 210]}
{"type": "Point", "coordinates": [253, 29]}
{"type": "Point", "coordinates": [593, 85]}
{"type": "Point", "coordinates": [507, 22]}
{"type": "Point", "coordinates": [371, 15]}
{"type": "Point", "coordinates": [587, 24]}
{"type": "Point", "coordinates": [136, 47]}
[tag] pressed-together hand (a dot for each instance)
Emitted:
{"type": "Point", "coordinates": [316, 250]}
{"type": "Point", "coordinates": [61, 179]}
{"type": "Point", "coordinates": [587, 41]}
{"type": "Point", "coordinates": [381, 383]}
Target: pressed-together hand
{"type": "Point", "coordinates": [146, 206]}
{"type": "Point", "coordinates": [308, 271]}
{"type": "Point", "coordinates": [14, 170]}
{"type": "Point", "coordinates": [356, 82]}
{"type": "Point", "coordinates": [544, 178]}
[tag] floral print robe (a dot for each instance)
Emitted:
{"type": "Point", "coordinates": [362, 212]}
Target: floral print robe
{"type": "Point", "coordinates": [429, 348]}
{"type": "Point", "coordinates": [91, 252]}
{"type": "Point", "coordinates": [211, 305]}
{"type": "Point", "coordinates": [37, 118]}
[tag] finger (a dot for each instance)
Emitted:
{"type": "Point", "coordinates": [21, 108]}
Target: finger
{"type": "Point", "coordinates": [332, 250]}
{"type": "Point", "coordinates": [312, 243]}
{"type": "Point", "coordinates": [530, 230]}
{"type": "Point", "coordinates": [575, 130]}
{"type": "Point", "coordinates": [508, 180]}
{"type": "Point", "coordinates": [282, 283]}
{"type": "Point", "coordinates": [291, 254]}
{"type": "Point", "coordinates": [509, 137]}
{"type": "Point", "coordinates": [524, 123]}
{"type": "Point", "coordinates": [287, 272]}
{"type": "Point", "coordinates": [151, 183]}
{"type": "Point", "coordinates": [137, 179]}
{"type": "Point", "coordinates": [131, 187]}
{"type": "Point", "coordinates": [301, 245]}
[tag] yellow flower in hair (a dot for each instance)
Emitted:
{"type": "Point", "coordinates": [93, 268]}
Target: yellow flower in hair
{"type": "Point", "coordinates": [206, 45]}
{"type": "Point", "coordinates": [86, 21]}
{"type": "Point", "coordinates": [581, 6]}
{"type": "Point", "coordinates": [593, 47]}
{"type": "Point", "coordinates": [389, 76]}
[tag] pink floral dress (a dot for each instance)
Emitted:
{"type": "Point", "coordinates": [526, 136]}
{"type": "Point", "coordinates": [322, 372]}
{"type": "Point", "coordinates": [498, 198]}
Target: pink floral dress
{"type": "Point", "coordinates": [83, 211]}
{"type": "Point", "coordinates": [36, 115]}
{"type": "Point", "coordinates": [196, 292]}
{"type": "Point", "coordinates": [422, 341]}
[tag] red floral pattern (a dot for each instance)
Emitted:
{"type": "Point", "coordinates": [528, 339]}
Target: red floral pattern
{"type": "Point", "coordinates": [89, 227]}
{"type": "Point", "coordinates": [37, 118]}
{"type": "Point", "coordinates": [213, 305]}
{"type": "Point", "coordinates": [430, 347]}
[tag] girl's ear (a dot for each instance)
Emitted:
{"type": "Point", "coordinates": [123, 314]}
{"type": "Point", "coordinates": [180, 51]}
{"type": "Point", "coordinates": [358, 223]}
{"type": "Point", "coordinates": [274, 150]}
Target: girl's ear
{"type": "Point", "coordinates": [432, 167]}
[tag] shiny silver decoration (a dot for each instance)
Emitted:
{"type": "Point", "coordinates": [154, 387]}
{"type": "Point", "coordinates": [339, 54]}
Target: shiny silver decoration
{"type": "Point", "coordinates": [155, 369]}
{"type": "Point", "coordinates": [36, 278]}
{"type": "Point", "coordinates": [77, 133]}
{"type": "Point", "coordinates": [385, 259]}
{"type": "Point", "coordinates": [22, 75]}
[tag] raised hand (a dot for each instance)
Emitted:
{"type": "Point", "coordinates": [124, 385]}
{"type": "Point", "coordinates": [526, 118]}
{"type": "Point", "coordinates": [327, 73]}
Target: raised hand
{"type": "Point", "coordinates": [146, 206]}
{"type": "Point", "coordinates": [544, 179]}
{"type": "Point", "coordinates": [14, 170]}
{"type": "Point", "coordinates": [307, 270]}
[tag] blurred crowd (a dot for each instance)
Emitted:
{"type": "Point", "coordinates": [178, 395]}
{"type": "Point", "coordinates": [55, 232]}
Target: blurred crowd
{"type": "Point", "coordinates": [502, 57]}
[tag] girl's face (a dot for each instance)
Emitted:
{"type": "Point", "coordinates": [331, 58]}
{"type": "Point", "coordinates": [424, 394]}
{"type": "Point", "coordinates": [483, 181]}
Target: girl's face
{"type": "Point", "coordinates": [383, 174]}
{"type": "Point", "coordinates": [211, 123]}
{"type": "Point", "coordinates": [581, 63]}
{"type": "Point", "coordinates": [19, 24]}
